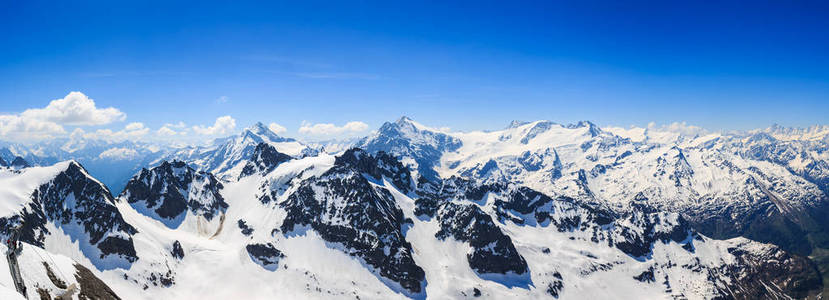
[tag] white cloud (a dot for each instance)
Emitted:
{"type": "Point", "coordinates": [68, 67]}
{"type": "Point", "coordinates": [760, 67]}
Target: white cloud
{"type": "Point", "coordinates": [132, 131]}
{"type": "Point", "coordinates": [16, 127]}
{"type": "Point", "coordinates": [75, 109]}
{"type": "Point", "coordinates": [166, 132]}
{"type": "Point", "coordinates": [179, 125]}
{"type": "Point", "coordinates": [276, 128]}
{"type": "Point", "coordinates": [222, 99]}
{"type": "Point", "coordinates": [331, 129]}
{"type": "Point", "coordinates": [134, 126]}
{"type": "Point", "coordinates": [678, 127]}
{"type": "Point", "coordinates": [77, 133]}
{"type": "Point", "coordinates": [223, 125]}
{"type": "Point", "coordinates": [119, 154]}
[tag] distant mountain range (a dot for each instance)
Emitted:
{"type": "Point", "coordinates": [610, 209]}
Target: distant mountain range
{"type": "Point", "coordinates": [534, 210]}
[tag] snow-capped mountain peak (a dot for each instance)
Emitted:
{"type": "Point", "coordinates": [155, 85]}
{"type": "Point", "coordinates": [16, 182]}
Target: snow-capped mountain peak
{"type": "Point", "coordinates": [224, 155]}
{"type": "Point", "coordinates": [419, 146]}
{"type": "Point", "coordinates": [811, 133]}
{"type": "Point", "coordinates": [177, 195]}
{"type": "Point", "coordinates": [260, 133]}
{"type": "Point", "coordinates": [64, 200]}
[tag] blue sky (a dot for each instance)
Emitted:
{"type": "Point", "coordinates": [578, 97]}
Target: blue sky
{"type": "Point", "coordinates": [467, 65]}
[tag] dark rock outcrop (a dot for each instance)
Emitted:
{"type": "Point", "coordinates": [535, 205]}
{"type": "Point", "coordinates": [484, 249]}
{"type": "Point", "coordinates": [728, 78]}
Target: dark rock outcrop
{"type": "Point", "coordinates": [265, 158]}
{"type": "Point", "coordinates": [73, 199]}
{"type": "Point", "coordinates": [19, 163]}
{"type": "Point", "coordinates": [492, 250]}
{"type": "Point", "coordinates": [168, 190]}
{"type": "Point", "coordinates": [91, 286]}
{"type": "Point", "coordinates": [770, 272]}
{"type": "Point", "coordinates": [265, 255]}
{"type": "Point", "coordinates": [177, 251]}
{"type": "Point", "coordinates": [345, 206]}
{"type": "Point", "coordinates": [403, 139]}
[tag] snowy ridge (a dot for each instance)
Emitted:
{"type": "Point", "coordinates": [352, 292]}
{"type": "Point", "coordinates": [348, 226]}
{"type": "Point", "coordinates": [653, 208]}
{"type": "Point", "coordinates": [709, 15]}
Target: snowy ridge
{"type": "Point", "coordinates": [178, 196]}
{"type": "Point", "coordinates": [536, 210]}
{"type": "Point", "coordinates": [49, 275]}
{"type": "Point", "coordinates": [224, 154]}
{"type": "Point", "coordinates": [64, 201]}
{"type": "Point", "coordinates": [420, 145]}
{"type": "Point", "coordinates": [699, 174]}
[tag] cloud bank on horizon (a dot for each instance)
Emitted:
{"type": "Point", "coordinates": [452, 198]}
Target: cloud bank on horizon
{"type": "Point", "coordinates": [76, 109]}
{"type": "Point", "coordinates": [79, 113]}
{"type": "Point", "coordinates": [76, 116]}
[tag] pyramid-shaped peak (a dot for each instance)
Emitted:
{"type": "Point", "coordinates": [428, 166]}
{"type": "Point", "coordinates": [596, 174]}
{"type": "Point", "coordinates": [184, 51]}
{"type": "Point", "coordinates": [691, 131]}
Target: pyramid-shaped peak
{"type": "Point", "coordinates": [403, 125]}
{"type": "Point", "coordinates": [258, 127]}
{"type": "Point", "coordinates": [261, 132]}
{"type": "Point", "coordinates": [404, 120]}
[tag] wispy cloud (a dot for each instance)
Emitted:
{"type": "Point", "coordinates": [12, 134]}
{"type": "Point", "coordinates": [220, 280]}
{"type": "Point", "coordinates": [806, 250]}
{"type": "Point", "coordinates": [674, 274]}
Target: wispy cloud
{"type": "Point", "coordinates": [104, 74]}
{"type": "Point", "coordinates": [178, 125]}
{"type": "Point", "coordinates": [338, 75]}
{"type": "Point", "coordinates": [308, 69]}
{"type": "Point", "coordinates": [222, 99]}
{"type": "Point", "coordinates": [75, 109]}
{"type": "Point", "coordinates": [134, 130]}
{"type": "Point", "coordinates": [285, 60]}
{"type": "Point", "coordinates": [330, 75]}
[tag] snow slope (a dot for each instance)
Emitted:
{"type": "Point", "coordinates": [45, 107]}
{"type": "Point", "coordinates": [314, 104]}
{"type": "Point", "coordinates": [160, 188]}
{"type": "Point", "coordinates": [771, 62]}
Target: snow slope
{"type": "Point", "coordinates": [52, 275]}
{"type": "Point", "coordinates": [718, 181]}
{"type": "Point", "coordinates": [536, 210]}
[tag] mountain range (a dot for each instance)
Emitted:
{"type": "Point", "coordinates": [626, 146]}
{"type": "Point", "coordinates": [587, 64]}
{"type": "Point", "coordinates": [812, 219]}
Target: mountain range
{"type": "Point", "coordinates": [534, 210]}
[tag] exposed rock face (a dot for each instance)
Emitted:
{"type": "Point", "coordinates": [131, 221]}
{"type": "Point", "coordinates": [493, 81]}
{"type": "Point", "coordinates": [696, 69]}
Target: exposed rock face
{"type": "Point", "coordinates": [19, 162]}
{"type": "Point", "coordinates": [636, 231]}
{"type": "Point", "coordinates": [244, 228]}
{"type": "Point", "coordinates": [633, 232]}
{"type": "Point", "coordinates": [379, 166]}
{"type": "Point", "coordinates": [455, 204]}
{"type": "Point", "coordinates": [765, 271]}
{"type": "Point", "coordinates": [82, 207]}
{"type": "Point", "coordinates": [266, 255]}
{"type": "Point", "coordinates": [177, 251]}
{"type": "Point", "coordinates": [346, 208]}
{"type": "Point", "coordinates": [51, 276]}
{"type": "Point", "coordinates": [492, 250]}
{"type": "Point", "coordinates": [169, 190]}
{"type": "Point", "coordinates": [769, 185]}
{"type": "Point", "coordinates": [265, 158]}
{"type": "Point", "coordinates": [405, 139]}
{"type": "Point", "coordinates": [91, 286]}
